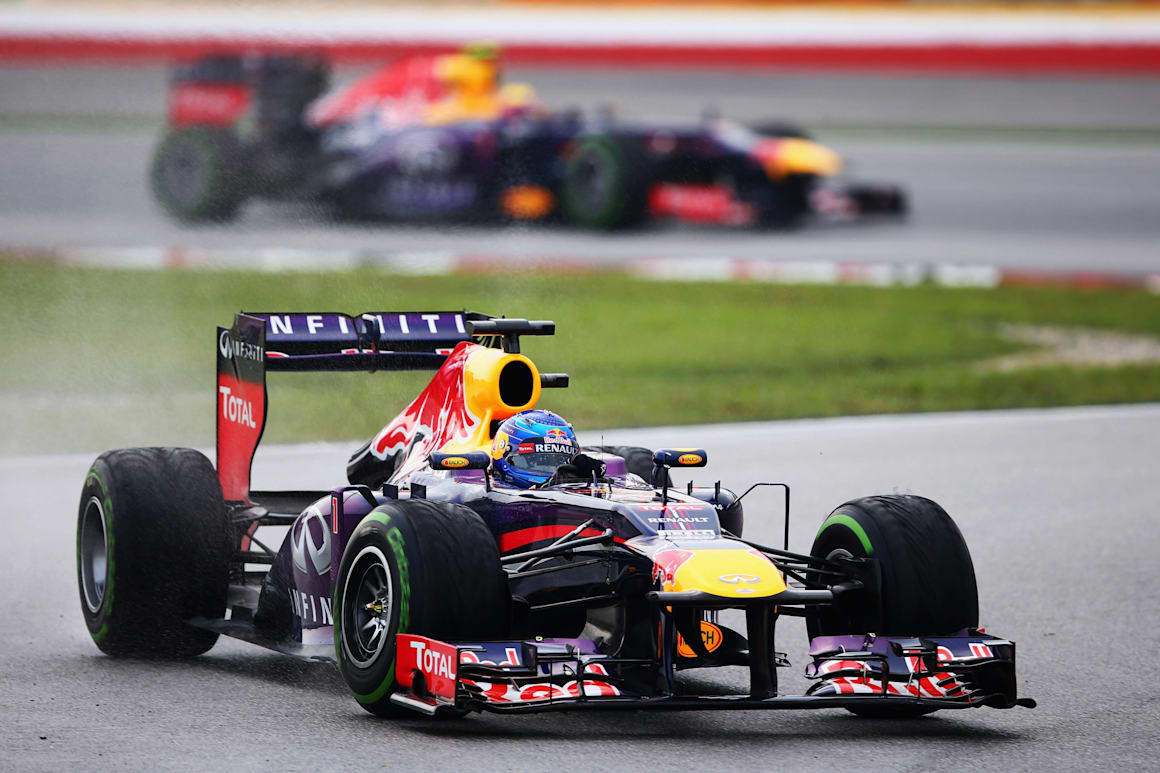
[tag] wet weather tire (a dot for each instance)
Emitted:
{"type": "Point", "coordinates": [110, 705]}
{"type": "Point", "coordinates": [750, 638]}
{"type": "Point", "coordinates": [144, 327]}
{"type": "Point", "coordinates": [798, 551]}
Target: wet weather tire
{"type": "Point", "coordinates": [605, 184]}
{"type": "Point", "coordinates": [198, 174]}
{"type": "Point", "coordinates": [418, 567]}
{"type": "Point", "coordinates": [153, 550]}
{"type": "Point", "coordinates": [928, 579]}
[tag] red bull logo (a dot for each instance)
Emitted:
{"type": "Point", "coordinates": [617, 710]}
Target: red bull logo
{"type": "Point", "coordinates": [557, 435]}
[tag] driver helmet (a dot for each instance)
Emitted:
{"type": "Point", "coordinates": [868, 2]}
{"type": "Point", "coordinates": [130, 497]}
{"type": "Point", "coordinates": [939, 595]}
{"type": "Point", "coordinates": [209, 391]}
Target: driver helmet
{"type": "Point", "coordinates": [529, 447]}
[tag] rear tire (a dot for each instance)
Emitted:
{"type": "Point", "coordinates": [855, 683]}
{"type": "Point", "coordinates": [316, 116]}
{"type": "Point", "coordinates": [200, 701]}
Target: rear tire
{"type": "Point", "coordinates": [153, 550]}
{"type": "Point", "coordinates": [605, 183]}
{"type": "Point", "coordinates": [198, 174]}
{"type": "Point", "coordinates": [434, 568]}
{"type": "Point", "coordinates": [928, 579]}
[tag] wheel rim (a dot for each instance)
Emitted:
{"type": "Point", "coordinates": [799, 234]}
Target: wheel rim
{"type": "Point", "coordinates": [183, 172]}
{"type": "Point", "coordinates": [367, 605]}
{"type": "Point", "coordinates": [94, 555]}
{"type": "Point", "coordinates": [592, 178]}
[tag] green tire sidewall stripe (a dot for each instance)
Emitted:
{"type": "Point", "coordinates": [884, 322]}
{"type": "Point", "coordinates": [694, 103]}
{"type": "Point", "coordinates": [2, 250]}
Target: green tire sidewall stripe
{"type": "Point", "coordinates": [110, 553]}
{"type": "Point", "coordinates": [603, 147]}
{"type": "Point", "coordinates": [841, 519]}
{"type": "Point", "coordinates": [395, 539]}
{"type": "Point", "coordinates": [214, 178]}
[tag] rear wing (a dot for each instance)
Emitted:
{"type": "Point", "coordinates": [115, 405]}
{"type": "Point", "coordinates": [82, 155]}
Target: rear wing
{"type": "Point", "coordinates": [306, 342]}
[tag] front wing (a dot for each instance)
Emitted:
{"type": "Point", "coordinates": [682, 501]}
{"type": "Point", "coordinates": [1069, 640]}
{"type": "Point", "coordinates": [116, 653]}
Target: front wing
{"type": "Point", "coordinates": [966, 670]}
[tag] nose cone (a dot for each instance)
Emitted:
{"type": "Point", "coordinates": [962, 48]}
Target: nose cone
{"type": "Point", "coordinates": [730, 573]}
{"type": "Point", "coordinates": [790, 155]}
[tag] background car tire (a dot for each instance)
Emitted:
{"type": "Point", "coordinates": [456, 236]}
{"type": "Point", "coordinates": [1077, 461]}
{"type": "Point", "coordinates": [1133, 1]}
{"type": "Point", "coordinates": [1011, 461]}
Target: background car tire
{"type": "Point", "coordinates": [198, 174]}
{"type": "Point", "coordinates": [605, 183]}
{"type": "Point", "coordinates": [153, 549]}
{"type": "Point", "coordinates": [928, 578]}
{"type": "Point", "coordinates": [440, 567]}
{"type": "Point", "coordinates": [886, 200]}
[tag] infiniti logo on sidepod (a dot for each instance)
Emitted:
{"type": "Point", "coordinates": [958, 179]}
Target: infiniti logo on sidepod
{"type": "Point", "coordinates": [302, 541]}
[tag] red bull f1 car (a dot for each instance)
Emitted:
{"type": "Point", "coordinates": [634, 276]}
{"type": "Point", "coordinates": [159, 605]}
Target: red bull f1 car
{"type": "Point", "coordinates": [439, 137]}
{"type": "Point", "coordinates": [436, 587]}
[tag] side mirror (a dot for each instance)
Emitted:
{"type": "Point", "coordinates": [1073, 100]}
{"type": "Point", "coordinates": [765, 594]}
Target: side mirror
{"type": "Point", "coordinates": [680, 457]}
{"type": "Point", "coordinates": [675, 457]}
{"type": "Point", "coordinates": [473, 460]}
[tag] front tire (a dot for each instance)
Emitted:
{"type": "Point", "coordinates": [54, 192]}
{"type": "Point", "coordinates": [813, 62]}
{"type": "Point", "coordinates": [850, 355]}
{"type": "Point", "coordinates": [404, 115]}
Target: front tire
{"type": "Point", "coordinates": [419, 567]}
{"type": "Point", "coordinates": [153, 550]}
{"type": "Point", "coordinates": [928, 578]}
{"type": "Point", "coordinates": [879, 200]}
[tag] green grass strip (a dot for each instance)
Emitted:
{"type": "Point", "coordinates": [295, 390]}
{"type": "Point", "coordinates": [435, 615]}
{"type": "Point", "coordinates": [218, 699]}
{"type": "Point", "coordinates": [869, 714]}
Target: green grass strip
{"type": "Point", "coordinates": [97, 359]}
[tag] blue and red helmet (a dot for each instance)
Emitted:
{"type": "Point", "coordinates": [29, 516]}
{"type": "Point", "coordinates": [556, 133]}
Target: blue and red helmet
{"type": "Point", "coordinates": [529, 447]}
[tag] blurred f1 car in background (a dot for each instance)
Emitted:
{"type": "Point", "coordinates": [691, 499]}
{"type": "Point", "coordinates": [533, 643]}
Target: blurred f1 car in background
{"type": "Point", "coordinates": [440, 137]}
{"type": "Point", "coordinates": [438, 587]}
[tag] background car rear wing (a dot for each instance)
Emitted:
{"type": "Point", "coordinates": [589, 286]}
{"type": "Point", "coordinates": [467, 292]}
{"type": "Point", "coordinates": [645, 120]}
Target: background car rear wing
{"type": "Point", "coordinates": [302, 342]}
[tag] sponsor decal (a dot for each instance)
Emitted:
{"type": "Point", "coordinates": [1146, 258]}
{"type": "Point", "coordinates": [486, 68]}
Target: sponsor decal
{"type": "Point", "coordinates": [435, 418]}
{"type": "Point", "coordinates": [670, 508]}
{"type": "Point", "coordinates": [980, 650]}
{"type": "Point", "coordinates": [426, 153]}
{"type": "Point", "coordinates": [690, 459]}
{"type": "Point", "coordinates": [527, 202]}
{"type": "Point", "coordinates": [500, 446]}
{"type": "Point", "coordinates": [499, 692]}
{"type": "Point", "coordinates": [241, 400]}
{"type": "Point", "coordinates": [236, 409]}
{"type": "Point", "coordinates": [454, 462]}
{"type": "Point", "coordinates": [419, 193]}
{"type": "Point", "coordinates": [436, 661]}
{"type": "Point", "coordinates": [678, 520]}
{"type": "Point", "coordinates": [212, 104]}
{"type": "Point", "coordinates": [557, 435]}
{"type": "Point", "coordinates": [416, 325]}
{"type": "Point", "coordinates": [711, 637]}
{"type": "Point", "coordinates": [734, 579]}
{"type": "Point", "coordinates": [858, 677]}
{"type": "Point", "coordinates": [546, 448]}
{"type": "Point", "coordinates": [310, 543]}
{"type": "Point", "coordinates": [311, 609]}
{"type": "Point", "coordinates": [231, 347]}
{"type": "Point", "coordinates": [699, 204]}
{"type": "Point", "coordinates": [432, 661]}
{"type": "Point", "coordinates": [667, 562]}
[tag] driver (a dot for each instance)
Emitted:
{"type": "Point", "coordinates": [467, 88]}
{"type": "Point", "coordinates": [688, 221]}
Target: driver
{"type": "Point", "coordinates": [530, 446]}
{"type": "Point", "coordinates": [471, 78]}
{"type": "Point", "coordinates": [474, 92]}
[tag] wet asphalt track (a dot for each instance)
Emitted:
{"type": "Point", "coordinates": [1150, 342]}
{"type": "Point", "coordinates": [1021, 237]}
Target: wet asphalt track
{"type": "Point", "coordinates": [1070, 184]}
{"type": "Point", "coordinates": [1058, 506]}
